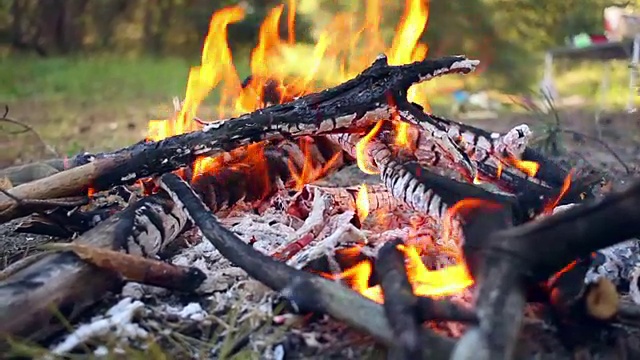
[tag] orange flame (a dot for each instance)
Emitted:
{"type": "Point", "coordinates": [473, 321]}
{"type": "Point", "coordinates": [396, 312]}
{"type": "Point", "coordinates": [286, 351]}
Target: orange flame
{"type": "Point", "coordinates": [310, 170]}
{"type": "Point", "coordinates": [443, 282]}
{"type": "Point", "coordinates": [566, 184]}
{"type": "Point", "coordinates": [526, 166]}
{"type": "Point", "coordinates": [362, 203]}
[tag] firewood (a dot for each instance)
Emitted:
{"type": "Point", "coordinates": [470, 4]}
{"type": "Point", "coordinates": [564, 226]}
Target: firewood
{"type": "Point", "coordinates": [549, 244]}
{"type": "Point", "coordinates": [400, 304]}
{"type": "Point", "coordinates": [317, 294]}
{"type": "Point", "coordinates": [352, 105]}
{"type": "Point", "coordinates": [500, 292]}
{"type": "Point", "coordinates": [63, 282]}
{"type": "Point", "coordinates": [136, 268]}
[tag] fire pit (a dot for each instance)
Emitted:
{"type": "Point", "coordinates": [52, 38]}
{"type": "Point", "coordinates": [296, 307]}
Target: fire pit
{"type": "Point", "coordinates": [460, 242]}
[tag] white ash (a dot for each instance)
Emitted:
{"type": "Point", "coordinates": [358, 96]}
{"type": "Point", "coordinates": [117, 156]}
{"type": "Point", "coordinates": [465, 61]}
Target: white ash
{"type": "Point", "coordinates": [343, 232]}
{"type": "Point", "coordinates": [192, 311]}
{"type": "Point", "coordinates": [616, 263]}
{"type": "Point", "coordinates": [515, 141]}
{"type": "Point", "coordinates": [561, 208]}
{"type": "Point", "coordinates": [117, 322]}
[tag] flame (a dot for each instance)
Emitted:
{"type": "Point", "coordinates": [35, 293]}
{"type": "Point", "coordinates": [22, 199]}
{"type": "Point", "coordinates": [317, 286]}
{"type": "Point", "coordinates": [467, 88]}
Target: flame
{"type": "Point", "coordinates": [442, 282]}
{"type": "Point", "coordinates": [566, 184]}
{"type": "Point", "coordinates": [526, 166]}
{"type": "Point", "coordinates": [310, 171]}
{"type": "Point", "coordinates": [361, 154]}
{"type": "Point", "coordinates": [362, 203]}
{"type": "Point", "coordinates": [352, 48]}
{"type": "Point", "coordinates": [499, 171]}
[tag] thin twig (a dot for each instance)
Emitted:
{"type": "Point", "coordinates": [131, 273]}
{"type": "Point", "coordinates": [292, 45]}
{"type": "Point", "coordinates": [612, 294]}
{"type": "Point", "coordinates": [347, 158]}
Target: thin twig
{"type": "Point", "coordinates": [27, 128]}
{"type": "Point", "coordinates": [601, 142]}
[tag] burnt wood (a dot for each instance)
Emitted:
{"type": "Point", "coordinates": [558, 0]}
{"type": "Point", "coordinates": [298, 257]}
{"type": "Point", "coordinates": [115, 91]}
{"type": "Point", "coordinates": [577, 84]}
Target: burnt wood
{"type": "Point", "coordinates": [63, 282]}
{"type": "Point", "coordinates": [400, 304]}
{"type": "Point", "coordinates": [307, 291]}
{"type": "Point", "coordinates": [353, 105]}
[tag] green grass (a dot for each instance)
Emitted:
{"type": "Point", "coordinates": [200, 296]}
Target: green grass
{"type": "Point", "coordinates": [91, 79]}
{"type": "Point", "coordinates": [89, 103]}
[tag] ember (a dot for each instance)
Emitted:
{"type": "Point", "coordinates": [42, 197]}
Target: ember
{"type": "Point", "coordinates": [461, 206]}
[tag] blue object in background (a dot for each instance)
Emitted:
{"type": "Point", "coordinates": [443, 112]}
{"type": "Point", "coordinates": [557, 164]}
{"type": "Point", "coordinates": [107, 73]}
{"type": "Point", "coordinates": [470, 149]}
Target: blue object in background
{"type": "Point", "coordinates": [461, 96]}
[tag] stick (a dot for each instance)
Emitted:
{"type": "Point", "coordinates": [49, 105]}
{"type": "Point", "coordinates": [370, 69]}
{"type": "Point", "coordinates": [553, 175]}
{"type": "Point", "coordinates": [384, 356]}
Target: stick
{"type": "Point", "coordinates": [325, 296]}
{"type": "Point", "coordinates": [400, 304]}
{"type": "Point", "coordinates": [547, 245]}
{"type": "Point", "coordinates": [319, 295]}
{"type": "Point", "coordinates": [136, 268]}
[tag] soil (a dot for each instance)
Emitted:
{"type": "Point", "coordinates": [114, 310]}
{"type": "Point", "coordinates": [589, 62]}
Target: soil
{"type": "Point", "coordinates": [324, 338]}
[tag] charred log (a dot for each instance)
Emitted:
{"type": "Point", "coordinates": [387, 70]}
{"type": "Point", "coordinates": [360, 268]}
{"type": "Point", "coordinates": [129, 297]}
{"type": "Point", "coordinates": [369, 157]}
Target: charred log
{"type": "Point", "coordinates": [66, 283]}
{"type": "Point", "coordinates": [350, 106]}
{"type": "Point", "coordinates": [400, 304]}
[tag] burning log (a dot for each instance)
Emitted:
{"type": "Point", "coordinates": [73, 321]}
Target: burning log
{"type": "Point", "coordinates": [400, 304]}
{"type": "Point", "coordinates": [66, 283]}
{"type": "Point", "coordinates": [144, 228]}
{"type": "Point", "coordinates": [352, 105]}
{"type": "Point", "coordinates": [307, 291]}
{"type": "Point", "coordinates": [504, 262]}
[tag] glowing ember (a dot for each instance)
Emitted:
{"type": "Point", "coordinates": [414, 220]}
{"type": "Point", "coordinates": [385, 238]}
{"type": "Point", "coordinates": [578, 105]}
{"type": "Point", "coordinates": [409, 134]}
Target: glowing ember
{"type": "Point", "coordinates": [362, 203]}
{"type": "Point", "coordinates": [310, 171]}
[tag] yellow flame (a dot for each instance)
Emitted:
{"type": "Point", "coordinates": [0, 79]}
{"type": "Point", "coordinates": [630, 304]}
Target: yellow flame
{"type": "Point", "coordinates": [361, 151]}
{"type": "Point", "coordinates": [362, 203]}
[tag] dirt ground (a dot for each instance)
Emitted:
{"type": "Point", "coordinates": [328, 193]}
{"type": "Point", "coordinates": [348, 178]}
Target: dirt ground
{"type": "Point", "coordinates": [619, 131]}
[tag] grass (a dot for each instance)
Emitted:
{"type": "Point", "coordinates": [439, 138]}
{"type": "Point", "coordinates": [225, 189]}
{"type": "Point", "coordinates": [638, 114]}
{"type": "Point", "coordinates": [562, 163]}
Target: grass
{"type": "Point", "coordinates": [91, 104]}
{"type": "Point", "coordinates": [91, 79]}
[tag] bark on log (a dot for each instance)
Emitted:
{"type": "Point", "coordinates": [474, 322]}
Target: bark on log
{"type": "Point", "coordinates": [22, 174]}
{"type": "Point", "coordinates": [352, 105]}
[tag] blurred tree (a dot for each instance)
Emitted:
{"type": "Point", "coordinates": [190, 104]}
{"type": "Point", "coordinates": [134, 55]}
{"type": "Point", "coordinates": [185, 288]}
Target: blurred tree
{"type": "Point", "coordinates": [508, 35]}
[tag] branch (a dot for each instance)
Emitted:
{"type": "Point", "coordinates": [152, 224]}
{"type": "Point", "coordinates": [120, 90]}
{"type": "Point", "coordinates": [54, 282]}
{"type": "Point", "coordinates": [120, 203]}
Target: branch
{"type": "Point", "coordinates": [353, 105]}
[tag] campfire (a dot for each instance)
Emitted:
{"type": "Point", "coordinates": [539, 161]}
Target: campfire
{"type": "Point", "coordinates": [440, 255]}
